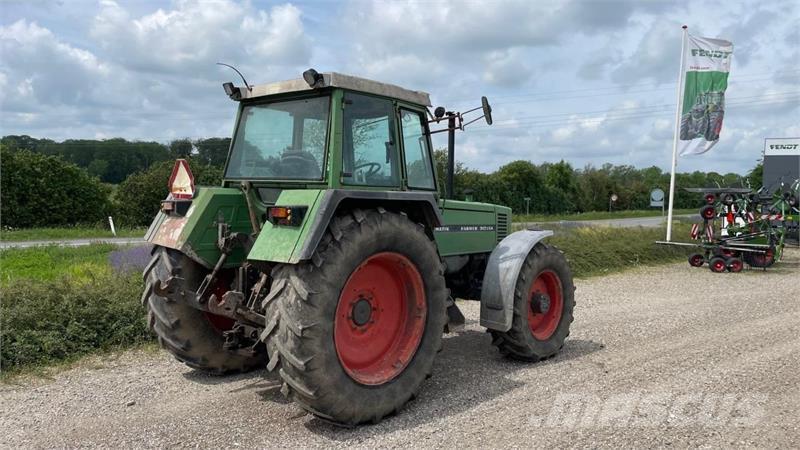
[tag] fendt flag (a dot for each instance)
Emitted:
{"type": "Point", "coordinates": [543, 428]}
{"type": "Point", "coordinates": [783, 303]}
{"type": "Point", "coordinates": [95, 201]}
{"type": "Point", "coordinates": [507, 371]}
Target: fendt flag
{"type": "Point", "coordinates": [707, 63]}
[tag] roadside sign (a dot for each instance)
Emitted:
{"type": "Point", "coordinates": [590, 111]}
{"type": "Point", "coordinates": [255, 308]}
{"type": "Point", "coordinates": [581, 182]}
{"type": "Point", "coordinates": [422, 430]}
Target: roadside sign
{"type": "Point", "coordinates": [656, 198]}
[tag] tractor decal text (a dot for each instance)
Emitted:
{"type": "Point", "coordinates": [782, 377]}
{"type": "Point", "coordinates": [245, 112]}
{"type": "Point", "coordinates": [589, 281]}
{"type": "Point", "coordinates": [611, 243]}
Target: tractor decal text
{"type": "Point", "coordinates": [464, 228]}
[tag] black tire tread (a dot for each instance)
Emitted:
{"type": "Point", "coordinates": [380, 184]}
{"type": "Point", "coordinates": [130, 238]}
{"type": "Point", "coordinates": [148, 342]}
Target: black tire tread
{"type": "Point", "coordinates": [182, 330]}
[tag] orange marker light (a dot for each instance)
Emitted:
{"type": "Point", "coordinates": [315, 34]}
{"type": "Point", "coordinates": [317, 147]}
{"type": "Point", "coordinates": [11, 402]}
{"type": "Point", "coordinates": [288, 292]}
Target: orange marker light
{"type": "Point", "coordinates": [280, 212]}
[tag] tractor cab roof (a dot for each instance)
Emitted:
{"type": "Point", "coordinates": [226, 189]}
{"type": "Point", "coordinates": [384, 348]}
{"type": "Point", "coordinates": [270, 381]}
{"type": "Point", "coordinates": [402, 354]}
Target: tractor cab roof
{"type": "Point", "coordinates": [337, 80]}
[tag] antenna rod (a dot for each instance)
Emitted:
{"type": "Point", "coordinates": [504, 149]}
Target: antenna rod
{"type": "Point", "coordinates": [240, 74]}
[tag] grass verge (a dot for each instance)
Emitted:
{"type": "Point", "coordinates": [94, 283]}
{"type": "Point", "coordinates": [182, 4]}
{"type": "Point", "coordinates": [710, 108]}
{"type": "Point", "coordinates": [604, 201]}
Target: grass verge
{"type": "Point", "coordinates": [50, 263]}
{"type": "Point", "coordinates": [594, 251]}
{"type": "Point", "coordinates": [596, 215]}
{"type": "Point", "coordinates": [45, 234]}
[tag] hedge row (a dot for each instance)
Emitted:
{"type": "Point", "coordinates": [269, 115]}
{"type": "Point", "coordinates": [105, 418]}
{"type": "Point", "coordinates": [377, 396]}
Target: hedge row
{"type": "Point", "coordinates": [48, 321]}
{"type": "Point", "coordinates": [40, 190]}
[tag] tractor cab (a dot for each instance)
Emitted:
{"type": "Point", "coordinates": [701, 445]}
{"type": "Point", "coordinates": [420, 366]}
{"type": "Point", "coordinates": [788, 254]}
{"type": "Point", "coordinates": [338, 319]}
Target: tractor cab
{"type": "Point", "coordinates": [336, 131]}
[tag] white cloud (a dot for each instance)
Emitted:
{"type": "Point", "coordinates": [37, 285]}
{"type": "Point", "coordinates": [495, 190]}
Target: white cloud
{"type": "Point", "coordinates": [196, 34]}
{"type": "Point", "coordinates": [557, 72]}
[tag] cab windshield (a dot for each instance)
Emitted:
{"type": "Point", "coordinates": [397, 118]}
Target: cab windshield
{"type": "Point", "coordinates": [281, 140]}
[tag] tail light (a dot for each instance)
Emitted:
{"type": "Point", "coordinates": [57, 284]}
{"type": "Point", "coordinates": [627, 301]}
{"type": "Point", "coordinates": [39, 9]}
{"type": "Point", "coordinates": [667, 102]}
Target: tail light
{"type": "Point", "coordinates": [287, 215]}
{"type": "Point", "coordinates": [181, 182]}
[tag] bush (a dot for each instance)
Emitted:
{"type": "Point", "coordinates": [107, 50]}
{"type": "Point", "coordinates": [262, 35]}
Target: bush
{"type": "Point", "coordinates": [595, 251]}
{"type": "Point", "coordinates": [138, 198]}
{"type": "Point", "coordinates": [45, 322]}
{"type": "Point", "coordinates": [40, 190]}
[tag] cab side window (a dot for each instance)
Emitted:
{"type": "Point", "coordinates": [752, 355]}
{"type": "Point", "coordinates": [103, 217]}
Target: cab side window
{"type": "Point", "coordinates": [369, 145]}
{"type": "Point", "coordinates": [417, 151]}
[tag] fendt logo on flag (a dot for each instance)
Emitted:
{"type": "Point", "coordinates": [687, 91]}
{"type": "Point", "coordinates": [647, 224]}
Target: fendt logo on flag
{"type": "Point", "coordinates": [181, 182]}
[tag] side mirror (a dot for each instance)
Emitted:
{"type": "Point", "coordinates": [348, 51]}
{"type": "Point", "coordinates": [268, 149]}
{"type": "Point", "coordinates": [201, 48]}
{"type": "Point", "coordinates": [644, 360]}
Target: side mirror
{"type": "Point", "coordinates": [487, 110]}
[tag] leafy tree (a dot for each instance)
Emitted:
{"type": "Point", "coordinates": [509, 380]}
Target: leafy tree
{"type": "Point", "coordinates": [180, 148]}
{"type": "Point", "coordinates": [40, 190]}
{"type": "Point", "coordinates": [139, 197]}
{"type": "Point", "coordinates": [121, 157]}
{"type": "Point", "coordinates": [756, 177]}
{"type": "Point", "coordinates": [213, 151]}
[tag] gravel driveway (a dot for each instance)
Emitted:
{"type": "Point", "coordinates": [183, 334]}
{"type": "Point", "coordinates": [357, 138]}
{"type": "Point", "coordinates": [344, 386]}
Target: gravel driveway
{"type": "Point", "coordinates": [665, 356]}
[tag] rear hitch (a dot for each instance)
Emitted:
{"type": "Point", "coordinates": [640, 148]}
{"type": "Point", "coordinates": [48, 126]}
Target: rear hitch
{"type": "Point", "coordinates": [226, 242]}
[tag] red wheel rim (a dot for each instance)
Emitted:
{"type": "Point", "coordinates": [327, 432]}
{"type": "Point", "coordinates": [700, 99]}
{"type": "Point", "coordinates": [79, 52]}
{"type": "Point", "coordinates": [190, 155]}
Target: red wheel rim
{"type": "Point", "coordinates": [696, 260]}
{"type": "Point", "coordinates": [380, 318]}
{"type": "Point", "coordinates": [220, 324]}
{"type": "Point", "coordinates": [718, 266]}
{"type": "Point", "coordinates": [736, 265]}
{"type": "Point", "coordinates": [763, 259]}
{"type": "Point", "coordinates": [544, 319]}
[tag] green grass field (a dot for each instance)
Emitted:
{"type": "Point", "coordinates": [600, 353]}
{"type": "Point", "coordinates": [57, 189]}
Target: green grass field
{"type": "Point", "coordinates": [43, 234]}
{"type": "Point", "coordinates": [52, 263]}
{"type": "Point", "coordinates": [596, 215]}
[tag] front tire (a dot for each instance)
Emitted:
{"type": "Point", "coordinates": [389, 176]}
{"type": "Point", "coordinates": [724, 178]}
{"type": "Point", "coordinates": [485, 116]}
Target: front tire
{"type": "Point", "coordinates": [544, 298]}
{"type": "Point", "coordinates": [354, 331]}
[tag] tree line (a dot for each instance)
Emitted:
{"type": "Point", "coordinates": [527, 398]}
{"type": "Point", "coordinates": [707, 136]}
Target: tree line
{"type": "Point", "coordinates": [48, 183]}
{"type": "Point", "coordinates": [557, 188]}
{"type": "Point", "coordinates": [113, 160]}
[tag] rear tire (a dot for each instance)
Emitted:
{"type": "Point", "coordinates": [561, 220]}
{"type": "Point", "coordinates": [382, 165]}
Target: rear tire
{"type": "Point", "coordinates": [534, 334]}
{"type": "Point", "coordinates": [329, 365]}
{"type": "Point", "coordinates": [190, 335]}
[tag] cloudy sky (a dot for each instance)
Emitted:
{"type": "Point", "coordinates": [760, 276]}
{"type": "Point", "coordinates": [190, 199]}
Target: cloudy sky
{"type": "Point", "coordinates": [588, 81]}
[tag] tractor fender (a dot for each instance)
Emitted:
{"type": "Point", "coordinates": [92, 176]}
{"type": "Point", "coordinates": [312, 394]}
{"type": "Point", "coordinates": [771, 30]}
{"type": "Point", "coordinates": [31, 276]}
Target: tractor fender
{"type": "Point", "coordinates": [291, 245]}
{"type": "Point", "coordinates": [500, 278]}
{"type": "Point", "coordinates": [420, 206]}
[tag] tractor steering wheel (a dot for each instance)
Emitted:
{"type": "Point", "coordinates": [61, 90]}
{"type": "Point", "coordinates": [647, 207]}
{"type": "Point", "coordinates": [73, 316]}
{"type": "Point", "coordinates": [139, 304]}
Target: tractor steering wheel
{"type": "Point", "coordinates": [373, 168]}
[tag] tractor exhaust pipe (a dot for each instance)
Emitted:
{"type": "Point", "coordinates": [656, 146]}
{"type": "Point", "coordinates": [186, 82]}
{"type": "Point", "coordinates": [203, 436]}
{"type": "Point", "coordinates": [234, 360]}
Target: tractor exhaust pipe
{"type": "Point", "coordinates": [451, 154]}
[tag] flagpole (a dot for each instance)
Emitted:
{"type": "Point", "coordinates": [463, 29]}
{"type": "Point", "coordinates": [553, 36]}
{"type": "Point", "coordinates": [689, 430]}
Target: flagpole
{"type": "Point", "coordinates": [678, 111]}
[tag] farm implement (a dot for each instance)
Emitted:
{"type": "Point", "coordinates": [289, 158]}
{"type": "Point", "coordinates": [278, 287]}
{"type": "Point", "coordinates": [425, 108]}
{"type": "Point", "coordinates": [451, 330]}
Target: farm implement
{"type": "Point", "coordinates": [738, 227]}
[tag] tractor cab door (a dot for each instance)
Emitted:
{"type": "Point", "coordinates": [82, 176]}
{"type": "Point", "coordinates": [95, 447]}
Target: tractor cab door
{"type": "Point", "coordinates": [370, 154]}
{"type": "Point", "coordinates": [417, 151]}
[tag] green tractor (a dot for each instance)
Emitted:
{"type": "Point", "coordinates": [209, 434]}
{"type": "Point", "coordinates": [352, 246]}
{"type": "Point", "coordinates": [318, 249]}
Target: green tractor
{"type": "Point", "coordinates": [328, 255]}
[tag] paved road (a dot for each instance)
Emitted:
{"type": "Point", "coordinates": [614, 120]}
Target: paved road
{"type": "Point", "coordinates": [668, 356]}
{"type": "Point", "coordinates": [72, 242]}
{"type": "Point", "coordinates": [650, 222]}
{"type": "Point", "coordinates": [632, 222]}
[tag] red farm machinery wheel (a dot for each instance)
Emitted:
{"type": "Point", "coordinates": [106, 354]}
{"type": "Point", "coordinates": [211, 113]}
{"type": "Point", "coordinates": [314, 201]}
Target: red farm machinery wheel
{"type": "Point", "coordinates": [380, 318]}
{"type": "Point", "coordinates": [697, 260]}
{"type": "Point", "coordinates": [717, 264]}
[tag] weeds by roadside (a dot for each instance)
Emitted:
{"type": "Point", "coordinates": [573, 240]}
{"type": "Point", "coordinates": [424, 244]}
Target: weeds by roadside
{"type": "Point", "coordinates": [43, 322]}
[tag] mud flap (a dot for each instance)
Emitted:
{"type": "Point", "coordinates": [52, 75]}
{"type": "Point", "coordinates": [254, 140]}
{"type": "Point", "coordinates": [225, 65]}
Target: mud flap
{"type": "Point", "coordinates": [502, 270]}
